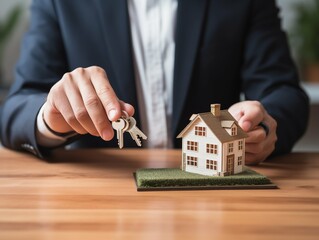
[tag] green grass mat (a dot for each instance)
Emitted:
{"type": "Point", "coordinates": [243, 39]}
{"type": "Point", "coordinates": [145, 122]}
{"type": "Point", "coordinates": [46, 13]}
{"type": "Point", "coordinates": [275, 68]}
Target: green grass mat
{"type": "Point", "coordinates": [148, 179]}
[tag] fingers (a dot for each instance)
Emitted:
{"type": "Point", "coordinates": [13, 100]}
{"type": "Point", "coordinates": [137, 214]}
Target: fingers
{"type": "Point", "coordinates": [256, 135]}
{"type": "Point", "coordinates": [84, 101]}
{"type": "Point", "coordinates": [259, 145]}
{"type": "Point", "coordinates": [127, 108]}
{"type": "Point", "coordinates": [259, 151]}
{"type": "Point", "coordinates": [255, 145]}
{"type": "Point", "coordinates": [72, 109]}
{"type": "Point", "coordinates": [90, 111]}
{"type": "Point", "coordinates": [105, 93]}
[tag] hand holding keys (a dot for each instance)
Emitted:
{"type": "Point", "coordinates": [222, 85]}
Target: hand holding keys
{"type": "Point", "coordinates": [127, 124]}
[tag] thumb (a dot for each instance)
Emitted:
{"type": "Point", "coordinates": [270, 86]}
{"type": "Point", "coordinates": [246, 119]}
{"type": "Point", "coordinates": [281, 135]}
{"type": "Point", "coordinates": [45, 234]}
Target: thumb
{"type": "Point", "coordinates": [248, 114]}
{"type": "Point", "coordinates": [246, 125]}
{"type": "Point", "coordinates": [250, 119]}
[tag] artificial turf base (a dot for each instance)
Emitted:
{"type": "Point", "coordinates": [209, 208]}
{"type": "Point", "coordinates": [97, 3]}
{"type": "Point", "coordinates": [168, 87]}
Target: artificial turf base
{"type": "Point", "coordinates": [162, 179]}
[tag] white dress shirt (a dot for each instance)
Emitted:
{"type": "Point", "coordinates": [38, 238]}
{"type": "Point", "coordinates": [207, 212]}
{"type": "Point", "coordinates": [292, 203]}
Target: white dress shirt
{"type": "Point", "coordinates": [153, 37]}
{"type": "Point", "coordinates": [153, 29]}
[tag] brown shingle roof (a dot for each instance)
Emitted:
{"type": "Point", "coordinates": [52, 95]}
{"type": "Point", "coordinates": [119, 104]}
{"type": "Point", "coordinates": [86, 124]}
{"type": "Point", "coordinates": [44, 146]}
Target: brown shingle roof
{"type": "Point", "coordinates": [215, 125]}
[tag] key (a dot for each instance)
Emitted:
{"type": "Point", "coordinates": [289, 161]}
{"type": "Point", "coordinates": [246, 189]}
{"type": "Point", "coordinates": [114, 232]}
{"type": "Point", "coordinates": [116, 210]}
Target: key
{"type": "Point", "coordinates": [120, 126]}
{"type": "Point", "coordinates": [134, 131]}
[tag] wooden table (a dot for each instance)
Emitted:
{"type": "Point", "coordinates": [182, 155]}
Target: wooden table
{"type": "Point", "coordinates": [91, 194]}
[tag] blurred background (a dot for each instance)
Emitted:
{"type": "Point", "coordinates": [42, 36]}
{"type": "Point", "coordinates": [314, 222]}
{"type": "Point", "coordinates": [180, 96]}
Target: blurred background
{"type": "Point", "coordinates": [300, 19]}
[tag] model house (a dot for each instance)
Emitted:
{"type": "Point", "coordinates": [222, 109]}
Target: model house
{"type": "Point", "coordinates": [213, 144]}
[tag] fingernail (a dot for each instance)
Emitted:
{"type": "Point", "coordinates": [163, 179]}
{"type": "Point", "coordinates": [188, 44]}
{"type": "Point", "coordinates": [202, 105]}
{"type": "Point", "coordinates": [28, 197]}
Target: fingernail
{"type": "Point", "coordinates": [112, 114]}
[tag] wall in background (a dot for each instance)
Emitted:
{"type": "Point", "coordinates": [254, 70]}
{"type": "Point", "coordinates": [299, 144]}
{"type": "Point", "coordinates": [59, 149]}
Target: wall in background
{"type": "Point", "coordinates": [310, 142]}
{"type": "Point", "coordinates": [12, 50]}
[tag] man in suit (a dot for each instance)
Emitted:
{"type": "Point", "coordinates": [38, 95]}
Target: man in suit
{"type": "Point", "coordinates": [83, 63]}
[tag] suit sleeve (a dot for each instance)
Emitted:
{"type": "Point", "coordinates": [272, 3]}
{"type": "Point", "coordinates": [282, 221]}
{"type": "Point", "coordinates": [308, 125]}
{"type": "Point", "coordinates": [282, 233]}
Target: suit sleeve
{"type": "Point", "coordinates": [270, 76]}
{"type": "Point", "coordinates": [42, 63]}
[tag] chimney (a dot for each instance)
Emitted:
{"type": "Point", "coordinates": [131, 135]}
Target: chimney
{"type": "Point", "coordinates": [215, 109]}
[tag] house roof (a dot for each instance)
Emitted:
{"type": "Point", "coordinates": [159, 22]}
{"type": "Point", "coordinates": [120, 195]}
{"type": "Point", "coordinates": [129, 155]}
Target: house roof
{"type": "Point", "coordinates": [227, 123]}
{"type": "Point", "coordinates": [216, 125]}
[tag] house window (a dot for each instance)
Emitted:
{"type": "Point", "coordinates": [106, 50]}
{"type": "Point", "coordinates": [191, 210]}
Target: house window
{"type": "Point", "coordinates": [230, 147]}
{"type": "Point", "coordinates": [211, 164]}
{"type": "Point", "coordinates": [193, 146]}
{"type": "Point", "coordinates": [240, 145]}
{"type": "Point", "coordinates": [234, 131]}
{"type": "Point", "coordinates": [211, 148]}
{"type": "Point", "coordinates": [192, 161]}
{"type": "Point", "coordinates": [200, 131]}
{"type": "Point", "coordinates": [240, 160]}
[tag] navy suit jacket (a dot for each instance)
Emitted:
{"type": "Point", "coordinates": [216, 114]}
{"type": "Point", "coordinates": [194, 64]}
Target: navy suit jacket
{"type": "Point", "coordinates": [223, 48]}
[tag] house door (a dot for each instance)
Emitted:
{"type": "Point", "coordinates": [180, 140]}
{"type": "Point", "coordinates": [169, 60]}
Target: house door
{"type": "Point", "coordinates": [230, 164]}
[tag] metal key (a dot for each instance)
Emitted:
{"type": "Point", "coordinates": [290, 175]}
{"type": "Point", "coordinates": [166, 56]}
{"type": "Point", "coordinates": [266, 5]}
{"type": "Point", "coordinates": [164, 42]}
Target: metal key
{"type": "Point", "coordinates": [121, 125]}
{"type": "Point", "coordinates": [134, 131]}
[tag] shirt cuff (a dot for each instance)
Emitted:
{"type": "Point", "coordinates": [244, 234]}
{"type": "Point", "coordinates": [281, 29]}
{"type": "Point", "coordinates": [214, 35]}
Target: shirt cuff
{"type": "Point", "coordinates": [44, 136]}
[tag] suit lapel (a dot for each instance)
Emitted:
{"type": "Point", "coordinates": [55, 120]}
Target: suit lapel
{"type": "Point", "coordinates": [114, 19]}
{"type": "Point", "coordinates": [190, 17]}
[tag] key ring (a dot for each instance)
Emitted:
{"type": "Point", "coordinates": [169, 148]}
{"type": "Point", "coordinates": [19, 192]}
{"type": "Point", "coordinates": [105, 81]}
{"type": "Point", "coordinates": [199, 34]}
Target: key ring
{"type": "Point", "coordinates": [125, 114]}
{"type": "Point", "coordinates": [127, 124]}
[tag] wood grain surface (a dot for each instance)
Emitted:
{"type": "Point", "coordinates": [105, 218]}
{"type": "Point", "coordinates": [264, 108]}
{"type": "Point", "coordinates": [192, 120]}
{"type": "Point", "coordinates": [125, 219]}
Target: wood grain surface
{"type": "Point", "coordinates": [91, 194]}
